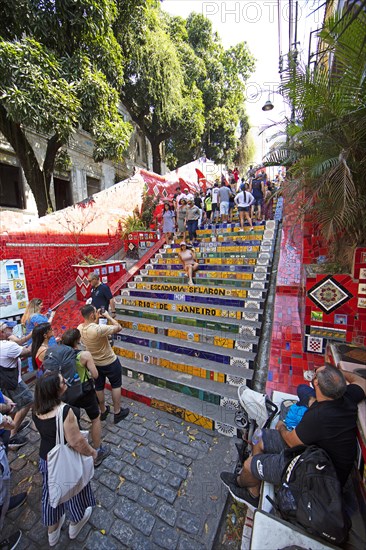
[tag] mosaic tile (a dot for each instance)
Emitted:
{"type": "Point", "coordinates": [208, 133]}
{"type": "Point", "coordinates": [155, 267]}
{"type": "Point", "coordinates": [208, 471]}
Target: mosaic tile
{"type": "Point", "coordinates": [314, 344]}
{"type": "Point", "coordinates": [328, 294]}
{"type": "Point", "coordinates": [225, 429]}
{"type": "Point", "coordinates": [235, 380]}
{"type": "Point", "coordinates": [239, 362]}
{"type": "Point", "coordinates": [229, 403]}
{"type": "Point", "coordinates": [199, 420]}
{"type": "Point", "coordinates": [247, 331]}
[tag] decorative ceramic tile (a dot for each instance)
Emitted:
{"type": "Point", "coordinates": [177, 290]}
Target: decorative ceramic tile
{"type": "Point", "coordinates": [262, 261]}
{"type": "Point", "coordinates": [263, 256]}
{"type": "Point", "coordinates": [225, 429]}
{"type": "Point", "coordinates": [340, 319]}
{"type": "Point", "coordinates": [268, 234]}
{"type": "Point", "coordinates": [260, 269]}
{"type": "Point", "coordinates": [83, 291]}
{"type": "Point", "coordinates": [266, 242]}
{"type": "Point", "coordinates": [143, 272]}
{"type": "Point", "coordinates": [230, 404]}
{"type": "Point", "coordinates": [362, 288]}
{"type": "Point", "coordinates": [246, 331]}
{"type": "Point", "coordinates": [154, 261]}
{"type": "Point", "coordinates": [254, 294]}
{"type": "Point", "coordinates": [270, 224]}
{"type": "Point", "coordinates": [138, 279]}
{"type": "Point", "coordinates": [242, 345]}
{"type": "Point", "coordinates": [316, 316]}
{"type": "Point", "coordinates": [325, 332]}
{"type": "Point", "coordinates": [257, 284]}
{"type": "Point", "coordinates": [314, 344]}
{"type": "Point", "coordinates": [248, 316]}
{"type": "Point", "coordinates": [239, 362]}
{"type": "Point", "coordinates": [158, 256]}
{"type": "Point", "coordinates": [125, 292]}
{"type": "Point", "coordinates": [235, 380]}
{"type": "Point", "coordinates": [252, 304]}
{"type": "Point", "coordinates": [259, 276]}
{"type": "Point", "coordinates": [131, 285]}
{"type": "Point", "coordinates": [79, 281]}
{"type": "Point", "coordinates": [328, 294]}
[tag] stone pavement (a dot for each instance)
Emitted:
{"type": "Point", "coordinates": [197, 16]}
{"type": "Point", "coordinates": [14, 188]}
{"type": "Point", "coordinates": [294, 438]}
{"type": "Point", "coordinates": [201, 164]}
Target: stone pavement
{"type": "Point", "coordinates": [159, 488]}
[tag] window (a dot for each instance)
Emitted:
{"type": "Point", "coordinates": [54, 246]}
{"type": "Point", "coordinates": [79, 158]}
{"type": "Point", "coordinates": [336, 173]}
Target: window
{"type": "Point", "coordinates": [92, 185]}
{"type": "Point", "coordinates": [11, 187]}
{"type": "Point", "coordinates": [63, 196]}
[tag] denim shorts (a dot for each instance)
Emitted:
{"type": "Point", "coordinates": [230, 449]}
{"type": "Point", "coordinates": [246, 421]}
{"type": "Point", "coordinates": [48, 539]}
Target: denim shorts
{"type": "Point", "coordinates": [22, 396]}
{"type": "Point", "coordinates": [270, 465]}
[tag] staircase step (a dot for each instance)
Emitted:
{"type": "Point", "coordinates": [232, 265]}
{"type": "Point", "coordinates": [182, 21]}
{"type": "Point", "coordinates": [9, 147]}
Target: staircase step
{"type": "Point", "coordinates": [250, 258]}
{"type": "Point", "coordinates": [256, 302]}
{"type": "Point", "coordinates": [247, 321]}
{"type": "Point", "coordinates": [209, 416]}
{"type": "Point", "coordinates": [194, 289]}
{"type": "Point", "coordinates": [234, 284]}
{"type": "Point", "coordinates": [200, 334]}
{"type": "Point", "coordinates": [201, 388]}
{"type": "Point", "coordinates": [166, 305]}
{"type": "Point", "coordinates": [212, 275]}
{"type": "Point", "coordinates": [203, 351]}
{"type": "Point", "coordinates": [235, 374]}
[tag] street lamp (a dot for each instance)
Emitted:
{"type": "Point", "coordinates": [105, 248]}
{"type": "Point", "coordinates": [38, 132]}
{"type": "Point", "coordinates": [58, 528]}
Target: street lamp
{"type": "Point", "coordinates": [268, 106]}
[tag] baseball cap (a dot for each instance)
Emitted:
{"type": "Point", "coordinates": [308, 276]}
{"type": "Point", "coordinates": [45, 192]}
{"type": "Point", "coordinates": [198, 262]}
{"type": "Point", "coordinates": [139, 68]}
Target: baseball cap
{"type": "Point", "coordinates": [183, 243]}
{"type": "Point", "coordinates": [7, 324]}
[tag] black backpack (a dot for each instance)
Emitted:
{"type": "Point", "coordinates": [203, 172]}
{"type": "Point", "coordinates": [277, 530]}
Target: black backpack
{"type": "Point", "coordinates": [311, 494]}
{"type": "Point", "coordinates": [62, 358]}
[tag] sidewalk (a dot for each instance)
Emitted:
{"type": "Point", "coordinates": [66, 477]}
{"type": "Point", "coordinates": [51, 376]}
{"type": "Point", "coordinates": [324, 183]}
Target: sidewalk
{"type": "Point", "coordinates": [159, 488]}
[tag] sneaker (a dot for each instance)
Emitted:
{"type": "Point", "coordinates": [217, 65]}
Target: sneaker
{"type": "Point", "coordinates": [54, 537]}
{"type": "Point", "coordinates": [103, 452]}
{"type": "Point", "coordinates": [190, 282]}
{"type": "Point", "coordinates": [75, 528]}
{"type": "Point", "coordinates": [241, 494]}
{"type": "Point", "coordinates": [17, 501]}
{"type": "Point", "coordinates": [121, 415]}
{"type": "Point", "coordinates": [104, 415]}
{"type": "Point", "coordinates": [11, 541]}
{"type": "Point", "coordinates": [17, 441]}
{"type": "Point", "coordinates": [24, 425]}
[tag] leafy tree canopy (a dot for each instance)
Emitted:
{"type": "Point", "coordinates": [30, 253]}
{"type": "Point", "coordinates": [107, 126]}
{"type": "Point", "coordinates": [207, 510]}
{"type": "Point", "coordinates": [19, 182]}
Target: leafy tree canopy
{"type": "Point", "coordinates": [326, 147]}
{"type": "Point", "coordinates": [60, 68]}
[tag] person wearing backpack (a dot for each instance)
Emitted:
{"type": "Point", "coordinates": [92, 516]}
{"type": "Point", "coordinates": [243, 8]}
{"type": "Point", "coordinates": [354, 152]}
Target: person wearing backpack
{"type": "Point", "coordinates": [330, 424]}
{"type": "Point", "coordinates": [87, 370]}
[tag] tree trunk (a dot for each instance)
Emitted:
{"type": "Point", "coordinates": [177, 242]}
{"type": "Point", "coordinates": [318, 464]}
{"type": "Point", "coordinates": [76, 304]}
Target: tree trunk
{"type": "Point", "coordinates": [38, 180]}
{"type": "Point", "coordinates": [156, 155]}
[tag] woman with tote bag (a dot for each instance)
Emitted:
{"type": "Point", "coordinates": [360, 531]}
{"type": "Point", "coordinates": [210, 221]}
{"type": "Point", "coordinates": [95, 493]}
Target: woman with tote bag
{"type": "Point", "coordinates": [57, 424]}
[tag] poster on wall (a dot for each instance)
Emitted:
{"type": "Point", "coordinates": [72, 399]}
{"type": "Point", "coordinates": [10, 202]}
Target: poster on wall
{"type": "Point", "coordinates": [13, 288]}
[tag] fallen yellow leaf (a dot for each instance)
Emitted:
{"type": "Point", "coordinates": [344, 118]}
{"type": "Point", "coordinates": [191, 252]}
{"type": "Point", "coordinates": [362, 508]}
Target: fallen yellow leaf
{"type": "Point", "coordinates": [102, 531]}
{"type": "Point", "coordinates": [122, 480]}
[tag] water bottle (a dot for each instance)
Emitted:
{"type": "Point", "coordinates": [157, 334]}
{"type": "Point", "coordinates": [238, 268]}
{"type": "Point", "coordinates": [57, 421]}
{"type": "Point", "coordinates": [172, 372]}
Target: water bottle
{"type": "Point", "coordinates": [256, 436]}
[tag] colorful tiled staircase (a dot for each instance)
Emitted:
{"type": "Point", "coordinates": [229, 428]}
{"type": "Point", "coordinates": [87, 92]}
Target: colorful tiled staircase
{"type": "Point", "coordinates": [185, 349]}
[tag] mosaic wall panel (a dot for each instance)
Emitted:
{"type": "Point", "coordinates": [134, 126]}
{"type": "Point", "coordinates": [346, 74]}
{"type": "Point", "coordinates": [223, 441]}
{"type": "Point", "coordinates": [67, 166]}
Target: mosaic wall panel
{"type": "Point", "coordinates": [328, 294]}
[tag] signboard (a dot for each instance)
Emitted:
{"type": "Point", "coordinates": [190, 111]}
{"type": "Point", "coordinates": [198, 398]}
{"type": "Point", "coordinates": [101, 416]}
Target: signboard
{"type": "Point", "coordinates": [13, 288]}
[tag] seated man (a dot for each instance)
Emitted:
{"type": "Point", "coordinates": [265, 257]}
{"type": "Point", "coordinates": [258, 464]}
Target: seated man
{"type": "Point", "coordinates": [330, 423]}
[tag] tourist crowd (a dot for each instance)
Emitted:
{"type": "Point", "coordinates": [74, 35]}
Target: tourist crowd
{"type": "Point", "coordinates": [253, 197]}
{"type": "Point", "coordinates": [68, 379]}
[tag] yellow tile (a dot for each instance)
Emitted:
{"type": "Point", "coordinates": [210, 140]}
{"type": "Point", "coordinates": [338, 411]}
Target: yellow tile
{"type": "Point", "coordinates": [198, 419]}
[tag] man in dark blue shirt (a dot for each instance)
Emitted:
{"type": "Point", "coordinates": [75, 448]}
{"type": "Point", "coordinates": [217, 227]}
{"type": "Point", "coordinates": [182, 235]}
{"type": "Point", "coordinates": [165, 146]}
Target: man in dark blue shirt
{"type": "Point", "coordinates": [101, 294]}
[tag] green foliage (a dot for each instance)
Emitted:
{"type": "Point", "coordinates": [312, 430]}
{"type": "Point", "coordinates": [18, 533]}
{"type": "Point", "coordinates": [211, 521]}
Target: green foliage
{"type": "Point", "coordinates": [63, 75]}
{"type": "Point", "coordinates": [181, 86]}
{"type": "Point", "coordinates": [132, 223]}
{"type": "Point", "coordinates": [327, 150]}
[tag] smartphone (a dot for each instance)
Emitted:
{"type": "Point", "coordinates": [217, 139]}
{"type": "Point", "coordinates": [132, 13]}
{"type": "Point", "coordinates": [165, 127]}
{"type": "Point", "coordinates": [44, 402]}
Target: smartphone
{"type": "Point", "coordinates": [102, 310]}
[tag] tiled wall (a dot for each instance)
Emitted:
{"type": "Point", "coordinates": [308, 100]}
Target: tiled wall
{"type": "Point", "coordinates": [48, 260]}
{"type": "Point", "coordinates": [310, 308]}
